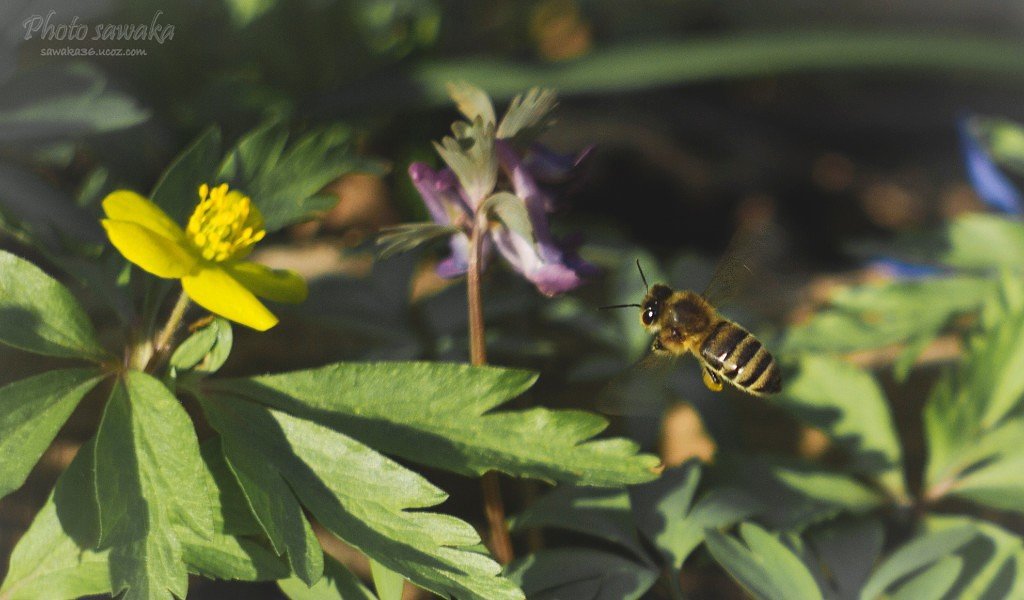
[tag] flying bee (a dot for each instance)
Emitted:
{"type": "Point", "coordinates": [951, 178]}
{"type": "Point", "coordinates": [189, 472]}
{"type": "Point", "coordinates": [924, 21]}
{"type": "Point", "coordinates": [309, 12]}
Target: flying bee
{"type": "Point", "coordinates": [684, 321]}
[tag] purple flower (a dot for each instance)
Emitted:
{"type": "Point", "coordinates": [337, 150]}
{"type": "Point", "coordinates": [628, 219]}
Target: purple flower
{"type": "Point", "coordinates": [552, 265]}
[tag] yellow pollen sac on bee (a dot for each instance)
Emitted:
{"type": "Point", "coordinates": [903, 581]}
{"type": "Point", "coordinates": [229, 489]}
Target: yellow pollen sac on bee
{"type": "Point", "coordinates": [225, 225]}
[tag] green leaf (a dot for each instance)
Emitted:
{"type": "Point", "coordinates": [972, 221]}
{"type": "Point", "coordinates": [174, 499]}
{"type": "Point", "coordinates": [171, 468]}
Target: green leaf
{"type": "Point", "coordinates": [933, 582]}
{"type": "Point", "coordinates": [993, 560]}
{"type": "Point", "coordinates": [146, 450]}
{"type": "Point", "coordinates": [920, 552]}
{"type": "Point", "coordinates": [206, 350]}
{"type": "Point", "coordinates": [277, 511]}
{"type": "Point", "coordinates": [847, 550]}
{"type": "Point", "coordinates": [666, 514]}
{"type": "Point", "coordinates": [32, 411]}
{"type": "Point", "coordinates": [836, 489]}
{"type": "Point", "coordinates": [177, 191]}
{"type": "Point", "coordinates": [40, 315]}
{"type": "Point", "coordinates": [285, 181]}
{"type": "Point", "coordinates": [581, 573]}
{"type": "Point", "coordinates": [405, 408]}
{"type": "Point", "coordinates": [849, 406]}
{"type": "Point", "coordinates": [511, 211]}
{"type": "Point", "coordinates": [48, 562]}
{"type": "Point", "coordinates": [407, 236]}
{"type": "Point", "coordinates": [471, 156]}
{"type": "Point", "coordinates": [880, 314]}
{"type": "Point", "coordinates": [984, 241]}
{"type": "Point", "coordinates": [360, 496]}
{"type": "Point", "coordinates": [338, 583]}
{"type": "Point", "coordinates": [388, 583]}
{"type": "Point", "coordinates": [600, 512]}
{"type": "Point", "coordinates": [527, 115]}
{"type": "Point", "coordinates": [991, 469]}
{"type": "Point", "coordinates": [970, 405]}
{"type": "Point", "coordinates": [62, 101]}
{"type": "Point", "coordinates": [765, 567]}
{"type": "Point", "coordinates": [222, 555]}
{"type": "Point", "coordinates": [472, 101]}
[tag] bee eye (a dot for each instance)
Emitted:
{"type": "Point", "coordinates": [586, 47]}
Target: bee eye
{"type": "Point", "coordinates": [650, 311]}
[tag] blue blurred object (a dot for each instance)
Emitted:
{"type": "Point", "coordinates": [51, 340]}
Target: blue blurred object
{"type": "Point", "coordinates": [991, 185]}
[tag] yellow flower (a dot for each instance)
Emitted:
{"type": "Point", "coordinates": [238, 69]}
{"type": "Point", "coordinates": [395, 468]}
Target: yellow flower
{"type": "Point", "coordinates": [207, 255]}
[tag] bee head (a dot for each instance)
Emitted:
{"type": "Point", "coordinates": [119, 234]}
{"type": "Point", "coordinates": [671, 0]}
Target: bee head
{"type": "Point", "coordinates": [653, 303]}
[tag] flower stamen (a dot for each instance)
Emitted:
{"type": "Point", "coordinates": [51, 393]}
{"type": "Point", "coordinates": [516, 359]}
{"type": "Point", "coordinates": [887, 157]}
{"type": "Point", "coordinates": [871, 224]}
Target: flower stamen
{"type": "Point", "coordinates": [225, 225]}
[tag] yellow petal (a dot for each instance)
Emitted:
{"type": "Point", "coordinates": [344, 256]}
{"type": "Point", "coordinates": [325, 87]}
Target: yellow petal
{"type": "Point", "coordinates": [279, 285]}
{"type": "Point", "coordinates": [151, 251]}
{"type": "Point", "coordinates": [126, 205]}
{"type": "Point", "coordinates": [212, 288]}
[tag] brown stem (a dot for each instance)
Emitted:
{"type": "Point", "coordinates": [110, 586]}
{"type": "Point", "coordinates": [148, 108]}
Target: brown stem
{"type": "Point", "coordinates": [494, 507]}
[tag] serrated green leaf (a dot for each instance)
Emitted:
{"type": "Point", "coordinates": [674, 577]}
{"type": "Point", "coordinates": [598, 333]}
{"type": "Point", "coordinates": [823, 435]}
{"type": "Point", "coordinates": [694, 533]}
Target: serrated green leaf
{"type": "Point", "coordinates": [527, 114]}
{"type": "Point", "coordinates": [285, 181]}
{"type": "Point", "coordinates": [471, 156]}
{"type": "Point", "coordinates": [581, 573]}
{"type": "Point", "coordinates": [222, 555]}
{"type": "Point", "coordinates": [146, 449]}
{"type": "Point", "coordinates": [277, 511]}
{"type": "Point", "coordinates": [48, 562]}
{"type": "Point", "coordinates": [472, 101]}
{"type": "Point", "coordinates": [39, 315]}
{"type": "Point", "coordinates": [849, 406]}
{"type": "Point", "coordinates": [874, 315]}
{"type": "Point", "coordinates": [177, 190]}
{"type": "Point", "coordinates": [666, 514]}
{"type": "Point", "coordinates": [511, 211]}
{"type": "Point", "coordinates": [32, 411]}
{"type": "Point", "coordinates": [206, 350]}
{"type": "Point", "coordinates": [407, 236]}
{"type": "Point", "coordinates": [362, 497]}
{"type": "Point", "coordinates": [920, 552]}
{"type": "Point", "coordinates": [765, 567]}
{"type": "Point", "coordinates": [388, 584]}
{"type": "Point", "coordinates": [338, 583]}
{"type": "Point", "coordinates": [602, 513]}
{"type": "Point", "coordinates": [403, 408]}
{"type": "Point", "coordinates": [234, 516]}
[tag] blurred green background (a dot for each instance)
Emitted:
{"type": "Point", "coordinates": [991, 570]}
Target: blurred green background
{"type": "Point", "coordinates": [825, 125]}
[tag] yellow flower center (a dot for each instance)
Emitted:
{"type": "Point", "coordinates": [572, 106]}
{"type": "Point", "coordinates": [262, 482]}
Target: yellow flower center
{"type": "Point", "coordinates": [225, 225]}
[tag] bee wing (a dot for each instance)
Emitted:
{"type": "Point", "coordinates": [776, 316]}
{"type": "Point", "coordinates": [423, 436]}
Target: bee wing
{"type": "Point", "coordinates": [640, 389]}
{"type": "Point", "coordinates": [737, 266]}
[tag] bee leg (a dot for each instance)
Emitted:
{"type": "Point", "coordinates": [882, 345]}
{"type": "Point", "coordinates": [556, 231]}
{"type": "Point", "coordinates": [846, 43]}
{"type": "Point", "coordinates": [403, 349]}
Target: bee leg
{"type": "Point", "coordinates": [657, 347]}
{"type": "Point", "coordinates": [712, 380]}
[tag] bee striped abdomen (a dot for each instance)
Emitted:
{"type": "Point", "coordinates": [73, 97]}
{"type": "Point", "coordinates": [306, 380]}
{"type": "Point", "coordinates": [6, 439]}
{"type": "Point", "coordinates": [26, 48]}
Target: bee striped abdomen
{"type": "Point", "coordinates": [736, 355]}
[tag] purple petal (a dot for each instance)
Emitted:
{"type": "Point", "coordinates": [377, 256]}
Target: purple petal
{"type": "Point", "coordinates": [458, 262]}
{"type": "Point", "coordinates": [994, 188]}
{"type": "Point", "coordinates": [440, 193]}
{"type": "Point", "coordinates": [541, 261]}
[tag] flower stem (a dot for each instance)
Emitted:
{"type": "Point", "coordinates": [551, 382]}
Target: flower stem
{"type": "Point", "coordinates": [494, 507]}
{"type": "Point", "coordinates": [163, 341]}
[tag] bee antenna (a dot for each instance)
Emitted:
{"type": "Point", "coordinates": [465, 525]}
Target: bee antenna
{"type": "Point", "coordinates": [639, 268]}
{"type": "Point", "coordinates": [620, 306]}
